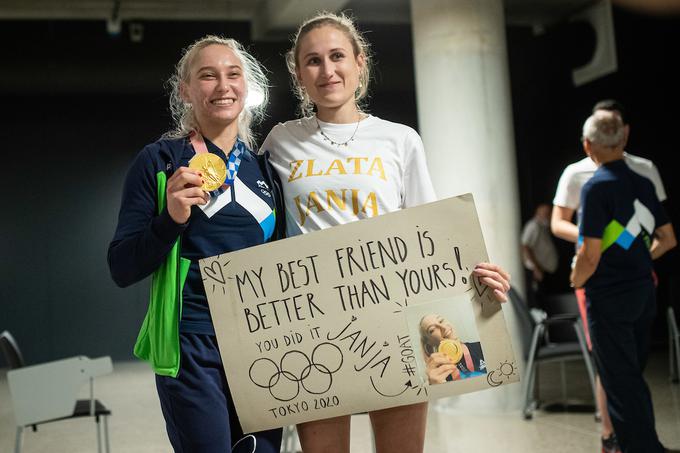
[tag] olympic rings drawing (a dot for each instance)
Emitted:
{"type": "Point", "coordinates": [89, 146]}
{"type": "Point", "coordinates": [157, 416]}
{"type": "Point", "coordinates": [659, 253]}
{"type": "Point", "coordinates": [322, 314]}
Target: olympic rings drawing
{"type": "Point", "coordinates": [297, 370]}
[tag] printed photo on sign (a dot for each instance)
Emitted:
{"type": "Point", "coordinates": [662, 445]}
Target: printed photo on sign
{"type": "Point", "coordinates": [450, 349]}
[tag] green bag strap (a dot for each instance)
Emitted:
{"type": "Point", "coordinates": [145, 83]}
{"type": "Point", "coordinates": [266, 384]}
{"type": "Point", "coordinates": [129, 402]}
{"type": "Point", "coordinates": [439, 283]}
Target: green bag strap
{"type": "Point", "coordinates": [158, 339]}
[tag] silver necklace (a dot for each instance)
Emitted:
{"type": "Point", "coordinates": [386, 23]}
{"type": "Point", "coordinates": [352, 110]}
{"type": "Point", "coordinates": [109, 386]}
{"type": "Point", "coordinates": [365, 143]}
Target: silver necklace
{"type": "Point", "coordinates": [333, 142]}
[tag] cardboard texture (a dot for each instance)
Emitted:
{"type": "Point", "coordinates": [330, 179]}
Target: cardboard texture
{"type": "Point", "coordinates": [332, 322]}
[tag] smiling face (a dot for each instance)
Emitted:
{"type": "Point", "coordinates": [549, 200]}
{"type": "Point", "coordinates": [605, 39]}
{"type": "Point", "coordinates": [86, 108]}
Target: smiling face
{"type": "Point", "coordinates": [215, 87]}
{"type": "Point", "coordinates": [435, 328]}
{"type": "Point", "coordinates": [328, 69]}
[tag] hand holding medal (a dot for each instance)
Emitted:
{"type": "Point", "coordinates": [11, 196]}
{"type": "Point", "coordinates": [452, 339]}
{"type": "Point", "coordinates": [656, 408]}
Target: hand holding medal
{"type": "Point", "coordinates": [442, 366]}
{"type": "Point", "coordinates": [213, 169]}
{"type": "Point", "coordinates": [184, 190]}
{"type": "Point", "coordinates": [215, 172]}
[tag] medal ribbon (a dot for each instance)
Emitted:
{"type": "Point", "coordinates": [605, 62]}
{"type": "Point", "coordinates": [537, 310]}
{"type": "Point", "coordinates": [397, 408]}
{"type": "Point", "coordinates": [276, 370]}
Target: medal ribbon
{"type": "Point", "coordinates": [233, 161]}
{"type": "Point", "coordinates": [469, 364]}
{"type": "Point", "coordinates": [198, 143]}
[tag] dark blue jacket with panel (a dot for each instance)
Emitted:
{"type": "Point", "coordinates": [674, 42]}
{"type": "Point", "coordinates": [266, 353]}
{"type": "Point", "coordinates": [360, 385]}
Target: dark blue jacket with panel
{"type": "Point", "coordinates": [148, 242]}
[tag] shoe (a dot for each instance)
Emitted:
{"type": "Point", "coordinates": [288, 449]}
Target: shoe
{"type": "Point", "coordinates": [610, 445]}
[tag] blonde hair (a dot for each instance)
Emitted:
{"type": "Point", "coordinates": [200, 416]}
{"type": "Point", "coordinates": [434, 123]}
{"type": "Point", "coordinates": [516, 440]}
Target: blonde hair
{"type": "Point", "coordinates": [182, 112]}
{"type": "Point", "coordinates": [360, 46]}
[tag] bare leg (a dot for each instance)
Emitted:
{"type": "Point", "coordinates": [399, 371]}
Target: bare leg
{"type": "Point", "coordinates": [400, 429]}
{"type": "Point", "coordinates": [607, 428]}
{"type": "Point", "coordinates": [325, 436]}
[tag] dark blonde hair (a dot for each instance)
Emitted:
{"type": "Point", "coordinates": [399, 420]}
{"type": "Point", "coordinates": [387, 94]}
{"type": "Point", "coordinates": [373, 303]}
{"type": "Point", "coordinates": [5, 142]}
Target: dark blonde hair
{"type": "Point", "coordinates": [256, 82]}
{"type": "Point", "coordinates": [426, 339]}
{"type": "Point", "coordinates": [360, 46]}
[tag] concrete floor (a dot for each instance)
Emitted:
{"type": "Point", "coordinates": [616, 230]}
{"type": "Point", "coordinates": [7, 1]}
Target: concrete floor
{"type": "Point", "coordinates": [137, 425]}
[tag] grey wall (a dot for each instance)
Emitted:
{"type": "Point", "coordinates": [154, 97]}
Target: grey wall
{"type": "Point", "coordinates": [62, 188]}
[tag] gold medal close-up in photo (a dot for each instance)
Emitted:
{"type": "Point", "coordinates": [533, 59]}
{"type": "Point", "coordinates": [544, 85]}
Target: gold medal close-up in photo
{"type": "Point", "coordinates": [213, 169]}
{"type": "Point", "coordinates": [451, 348]}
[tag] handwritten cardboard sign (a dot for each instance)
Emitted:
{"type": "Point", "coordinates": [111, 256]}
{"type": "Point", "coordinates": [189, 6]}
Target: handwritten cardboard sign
{"type": "Point", "coordinates": [347, 319]}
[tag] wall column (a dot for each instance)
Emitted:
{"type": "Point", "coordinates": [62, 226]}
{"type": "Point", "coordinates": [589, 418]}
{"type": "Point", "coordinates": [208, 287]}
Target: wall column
{"type": "Point", "coordinates": [465, 120]}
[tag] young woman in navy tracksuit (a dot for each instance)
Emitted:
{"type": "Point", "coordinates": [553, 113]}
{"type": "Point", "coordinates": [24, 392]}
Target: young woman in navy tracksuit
{"type": "Point", "coordinates": [167, 222]}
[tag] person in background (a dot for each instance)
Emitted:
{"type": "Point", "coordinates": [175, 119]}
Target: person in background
{"type": "Point", "coordinates": [623, 228]}
{"type": "Point", "coordinates": [339, 164]}
{"type": "Point", "coordinates": [539, 254]}
{"type": "Point", "coordinates": [173, 214]}
{"type": "Point", "coordinates": [566, 204]}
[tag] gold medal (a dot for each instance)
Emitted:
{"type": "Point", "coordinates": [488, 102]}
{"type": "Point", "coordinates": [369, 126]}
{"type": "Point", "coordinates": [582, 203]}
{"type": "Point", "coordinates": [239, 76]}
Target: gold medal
{"type": "Point", "coordinates": [451, 348]}
{"type": "Point", "coordinates": [213, 169]}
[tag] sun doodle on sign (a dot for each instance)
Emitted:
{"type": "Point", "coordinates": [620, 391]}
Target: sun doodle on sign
{"type": "Point", "coordinates": [502, 373]}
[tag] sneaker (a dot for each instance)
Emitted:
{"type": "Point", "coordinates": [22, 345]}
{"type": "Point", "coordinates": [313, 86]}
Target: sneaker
{"type": "Point", "coordinates": [610, 445]}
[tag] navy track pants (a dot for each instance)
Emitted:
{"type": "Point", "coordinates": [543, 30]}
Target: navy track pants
{"type": "Point", "coordinates": [620, 324]}
{"type": "Point", "coordinates": [199, 413]}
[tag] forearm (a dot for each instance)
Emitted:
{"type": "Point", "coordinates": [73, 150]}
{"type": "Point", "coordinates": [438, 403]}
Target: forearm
{"type": "Point", "coordinates": [657, 249]}
{"type": "Point", "coordinates": [587, 259]}
{"type": "Point", "coordinates": [664, 241]}
{"type": "Point", "coordinates": [583, 270]}
{"type": "Point", "coordinates": [143, 237]}
{"type": "Point", "coordinates": [135, 257]}
{"type": "Point", "coordinates": [561, 224]}
{"type": "Point", "coordinates": [564, 229]}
